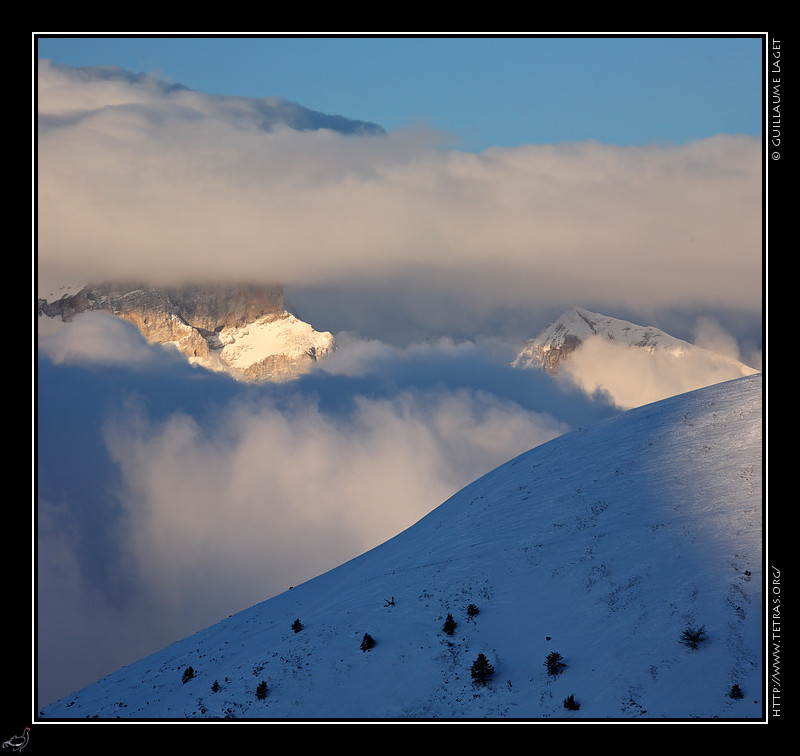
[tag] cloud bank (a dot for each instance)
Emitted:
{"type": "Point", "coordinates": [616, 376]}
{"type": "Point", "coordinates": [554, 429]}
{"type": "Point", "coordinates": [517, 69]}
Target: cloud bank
{"type": "Point", "coordinates": [135, 175]}
{"type": "Point", "coordinates": [94, 338]}
{"type": "Point", "coordinates": [267, 497]}
{"type": "Point", "coordinates": [633, 377]}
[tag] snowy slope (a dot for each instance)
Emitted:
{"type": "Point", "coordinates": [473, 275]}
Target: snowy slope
{"type": "Point", "coordinates": [603, 545]}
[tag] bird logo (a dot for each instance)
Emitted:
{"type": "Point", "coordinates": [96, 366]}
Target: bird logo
{"type": "Point", "coordinates": [18, 742]}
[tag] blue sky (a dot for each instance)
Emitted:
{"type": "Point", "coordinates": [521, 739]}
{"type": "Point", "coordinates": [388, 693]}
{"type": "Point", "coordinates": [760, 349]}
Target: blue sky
{"type": "Point", "coordinates": [485, 91]}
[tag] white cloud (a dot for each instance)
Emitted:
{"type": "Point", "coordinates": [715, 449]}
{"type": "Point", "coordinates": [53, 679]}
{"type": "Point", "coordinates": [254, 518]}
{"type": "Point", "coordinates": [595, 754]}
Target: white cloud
{"type": "Point", "coordinates": [94, 338]}
{"type": "Point", "coordinates": [632, 377]}
{"type": "Point", "coordinates": [137, 177]}
{"type": "Point", "coordinates": [709, 334]}
{"type": "Point", "coordinates": [357, 356]}
{"type": "Point", "coordinates": [225, 513]}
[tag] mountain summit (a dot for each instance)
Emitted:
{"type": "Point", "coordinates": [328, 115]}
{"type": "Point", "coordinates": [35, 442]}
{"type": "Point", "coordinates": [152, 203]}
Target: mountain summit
{"type": "Point", "coordinates": [631, 364]}
{"type": "Point", "coordinates": [614, 573]}
{"type": "Point", "coordinates": [553, 345]}
{"type": "Point", "coordinates": [243, 330]}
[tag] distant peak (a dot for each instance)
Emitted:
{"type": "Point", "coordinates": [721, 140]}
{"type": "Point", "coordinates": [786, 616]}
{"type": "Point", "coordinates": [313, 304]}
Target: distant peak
{"type": "Point", "coordinates": [618, 353]}
{"type": "Point", "coordinates": [577, 324]}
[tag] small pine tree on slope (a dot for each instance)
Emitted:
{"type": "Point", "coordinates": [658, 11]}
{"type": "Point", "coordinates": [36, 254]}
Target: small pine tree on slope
{"type": "Point", "coordinates": [481, 669]}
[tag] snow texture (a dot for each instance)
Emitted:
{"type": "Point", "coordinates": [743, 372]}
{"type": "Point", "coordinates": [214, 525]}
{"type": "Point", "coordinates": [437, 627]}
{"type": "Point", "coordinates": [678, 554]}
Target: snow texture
{"type": "Point", "coordinates": [285, 335]}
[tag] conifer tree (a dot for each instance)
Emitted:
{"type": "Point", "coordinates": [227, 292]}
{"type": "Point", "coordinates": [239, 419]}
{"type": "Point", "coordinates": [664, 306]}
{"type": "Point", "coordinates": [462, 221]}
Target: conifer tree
{"type": "Point", "coordinates": [449, 625]}
{"type": "Point", "coordinates": [481, 669]}
{"type": "Point", "coordinates": [554, 663]}
{"type": "Point", "coordinates": [367, 642]}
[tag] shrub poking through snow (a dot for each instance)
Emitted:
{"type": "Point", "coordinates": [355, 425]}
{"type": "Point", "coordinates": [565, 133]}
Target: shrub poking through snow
{"type": "Point", "coordinates": [297, 626]}
{"type": "Point", "coordinates": [261, 690]}
{"type": "Point", "coordinates": [736, 692]}
{"type": "Point", "coordinates": [570, 703]}
{"type": "Point", "coordinates": [692, 636]}
{"type": "Point", "coordinates": [188, 674]}
{"type": "Point", "coordinates": [554, 663]}
{"type": "Point", "coordinates": [472, 611]}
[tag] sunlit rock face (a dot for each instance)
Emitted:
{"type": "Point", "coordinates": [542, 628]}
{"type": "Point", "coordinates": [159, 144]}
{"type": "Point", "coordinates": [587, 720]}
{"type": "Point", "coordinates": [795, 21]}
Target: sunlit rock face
{"type": "Point", "coordinates": [243, 329]}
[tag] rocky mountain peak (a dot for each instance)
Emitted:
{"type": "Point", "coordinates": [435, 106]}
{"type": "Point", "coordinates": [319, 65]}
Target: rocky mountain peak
{"type": "Point", "coordinates": [576, 325]}
{"type": "Point", "coordinates": [241, 329]}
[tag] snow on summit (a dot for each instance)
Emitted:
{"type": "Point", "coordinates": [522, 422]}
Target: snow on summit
{"type": "Point", "coordinates": [631, 364]}
{"type": "Point", "coordinates": [614, 572]}
{"type": "Point", "coordinates": [245, 346]}
{"type": "Point", "coordinates": [577, 324]}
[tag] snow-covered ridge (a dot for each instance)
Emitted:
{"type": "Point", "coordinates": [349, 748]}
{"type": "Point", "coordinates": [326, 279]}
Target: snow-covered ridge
{"type": "Point", "coordinates": [604, 545]}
